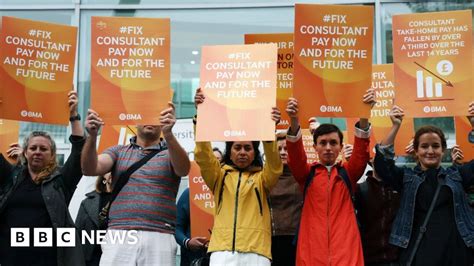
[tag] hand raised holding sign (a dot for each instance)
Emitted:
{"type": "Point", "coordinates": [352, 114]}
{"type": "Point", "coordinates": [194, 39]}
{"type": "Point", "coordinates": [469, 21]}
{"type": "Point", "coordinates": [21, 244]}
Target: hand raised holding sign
{"type": "Point", "coordinates": [367, 98]}
{"type": "Point", "coordinates": [168, 119]}
{"type": "Point", "coordinates": [276, 115]}
{"type": "Point", "coordinates": [93, 123]}
{"type": "Point", "coordinates": [396, 115]}
{"type": "Point", "coordinates": [457, 155]}
{"type": "Point", "coordinates": [198, 97]}
{"type": "Point", "coordinates": [292, 111]}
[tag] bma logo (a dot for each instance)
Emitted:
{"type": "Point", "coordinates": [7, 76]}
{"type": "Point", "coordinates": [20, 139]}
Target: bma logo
{"type": "Point", "coordinates": [66, 237]}
{"type": "Point", "coordinates": [434, 109]}
{"type": "Point", "coordinates": [25, 113]}
{"type": "Point", "coordinates": [330, 108]}
{"type": "Point", "coordinates": [234, 133]}
{"type": "Point", "coordinates": [123, 117]}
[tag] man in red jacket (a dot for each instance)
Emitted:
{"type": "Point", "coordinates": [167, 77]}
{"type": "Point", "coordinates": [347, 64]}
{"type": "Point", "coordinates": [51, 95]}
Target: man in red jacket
{"type": "Point", "coordinates": [328, 233]}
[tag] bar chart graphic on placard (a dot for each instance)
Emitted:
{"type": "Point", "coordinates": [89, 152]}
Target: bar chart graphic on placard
{"type": "Point", "coordinates": [430, 86]}
{"type": "Point", "coordinates": [424, 86]}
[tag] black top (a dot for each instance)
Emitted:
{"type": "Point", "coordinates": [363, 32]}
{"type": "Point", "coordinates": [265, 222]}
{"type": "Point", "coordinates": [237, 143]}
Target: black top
{"type": "Point", "coordinates": [25, 208]}
{"type": "Point", "coordinates": [104, 197]}
{"type": "Point", "coordinates": [441, 244]}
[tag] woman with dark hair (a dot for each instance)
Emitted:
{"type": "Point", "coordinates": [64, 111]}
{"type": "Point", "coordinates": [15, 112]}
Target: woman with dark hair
{"type": "Point", "coordinates": [242, 226]}
{"type": "Point", "coordinates": [37, 194]}
{"type": "Point", "coordinates": [257, 161]}
{"type": "Point", "coordinates": [218, 154]}
{"type": "Point", "coordinates": [434, 225]}
{"type": "Point", "coordinates": [88, 216]}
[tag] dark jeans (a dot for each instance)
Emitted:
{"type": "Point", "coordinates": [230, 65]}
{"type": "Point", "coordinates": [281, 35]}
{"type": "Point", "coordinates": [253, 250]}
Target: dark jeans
{"type": "Point", "coordinates": [283, 250]}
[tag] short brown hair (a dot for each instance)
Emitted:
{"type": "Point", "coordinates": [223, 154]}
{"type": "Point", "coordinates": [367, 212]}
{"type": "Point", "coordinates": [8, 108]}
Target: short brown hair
{"type": "Point", "coordinates": [429, 129]}
{"type": "Point", "coordinates": [100, 187]}
{"type": "Point", "coordinates": [281, 135]}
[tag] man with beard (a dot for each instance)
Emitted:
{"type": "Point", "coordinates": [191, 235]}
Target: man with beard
{"type": "Point", "coordinates": [147, 201]}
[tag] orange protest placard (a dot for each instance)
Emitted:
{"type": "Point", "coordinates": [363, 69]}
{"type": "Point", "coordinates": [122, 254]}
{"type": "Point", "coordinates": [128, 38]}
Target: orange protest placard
{"type": "Point", "coordinates": [37, 63]}
{"type": "Point", "coordinates": [311, 155]}
{"type": "Point", "coordinates": [385, 93]}
{"type": "Point", "coordinates": [432, 75]}
{"type": "Point", "coordinates": [284, 42]}
{"type": "Point", "coordinates": [333, 59]}
{"type": "Point", "coordinates": [9, 131]}
{"type": "Point", "coordinates": [130, 69]}
{"type": "Point", "coordinates": [115, 135]}
{"type": "Point", "coordinates": [201, 203]}
{"type": "Point", "coordinates": [465, 137]}
{"type": "Point", "coordinates": [239, 82]}
{"type": "Point", "coordinates": [380, 129]}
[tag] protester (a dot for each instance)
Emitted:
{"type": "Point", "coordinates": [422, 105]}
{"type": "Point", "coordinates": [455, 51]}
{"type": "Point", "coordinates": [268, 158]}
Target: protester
{"type": "Point", "coordinates": [328, 232]}
{"type": "Point", "coordinates": [196, 247]}
{"type": "Point", "coordinates": [147, 201]}
{"type": "Point", "coordinates": [242, 226]}
{"type": "Point", "coordinates": [286, 201]}
{"type": "Point", "coordinates": [88, 216]}
{"type": "Point", "coordinates": [191, 248]}
{"type": "Point", "coordinates": [435, 224]}
{"type": "Point", "coordinates": [313, 124]}
{"type": "Point", "coordinates": [218, 154]}
{"type": "Point", "coordinates": [36, 194]}
{"type": "Point", "coordinates": [377, 206]}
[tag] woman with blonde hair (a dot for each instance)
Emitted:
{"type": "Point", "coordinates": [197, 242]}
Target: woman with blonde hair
{"type": "Point", "coordinates": [37, 193]}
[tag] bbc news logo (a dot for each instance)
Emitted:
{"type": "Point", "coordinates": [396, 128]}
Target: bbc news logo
{"type": "Point", "coordinates": [66, 237]}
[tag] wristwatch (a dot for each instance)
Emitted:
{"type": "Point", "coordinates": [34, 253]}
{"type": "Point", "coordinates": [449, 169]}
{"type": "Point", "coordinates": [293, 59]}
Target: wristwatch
{"type": "Point", "coordinates": [74, 118]}
{"type": "Point", "coordinates": [470, 136]}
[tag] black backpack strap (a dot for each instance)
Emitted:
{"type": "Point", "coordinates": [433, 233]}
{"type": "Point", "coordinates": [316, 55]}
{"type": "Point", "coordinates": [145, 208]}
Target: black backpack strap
{"type": "Point", "coordinates": [124, 176]}
{"type": "Point", "coordinates": [342, 172]}
{"type": "Point", "coordinates": [425, 223]}
{"type": "Point", "coordinates": [309, 180]}
{"type": "Point", "coordinates": [122, 180]}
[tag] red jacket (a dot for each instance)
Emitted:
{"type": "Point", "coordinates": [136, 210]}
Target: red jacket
{"type": "Point", "coordinates": [328, 233]}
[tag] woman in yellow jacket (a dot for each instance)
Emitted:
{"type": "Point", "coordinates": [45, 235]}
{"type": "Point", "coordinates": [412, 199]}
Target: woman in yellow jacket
{"type": "Point", "coordinates": [242, 226]}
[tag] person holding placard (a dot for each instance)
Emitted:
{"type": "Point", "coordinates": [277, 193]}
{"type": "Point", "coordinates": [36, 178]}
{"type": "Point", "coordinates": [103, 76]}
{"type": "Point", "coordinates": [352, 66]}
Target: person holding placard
{"type": "Point", "coordinates": [285, 202]}
{"type": "Point", "coordinates": [146, 202]}
{"type": "Point", "coordinates": [242, 226]}
{"type": "Point", "coordinates": [328, 233]}
{"type": "Point", "coordinates": [192, 248]}
{"type": "Point", "coordinates": [435, 224]}
{"type": "Point", "coordinates": [36, 194]}
{"type": "Point", "coordinates": [87, 218]}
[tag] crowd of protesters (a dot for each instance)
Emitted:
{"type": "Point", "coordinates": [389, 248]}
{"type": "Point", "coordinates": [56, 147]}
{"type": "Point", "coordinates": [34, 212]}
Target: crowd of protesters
{"type": "Point", "coordinates": [281, 211]}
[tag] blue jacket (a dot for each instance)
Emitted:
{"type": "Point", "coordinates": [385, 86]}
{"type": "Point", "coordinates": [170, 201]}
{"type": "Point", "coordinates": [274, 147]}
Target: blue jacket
{"type": "Point", "coordinates": [407, 181]}
{"type": "Point", "coordinates": [183, 230]}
